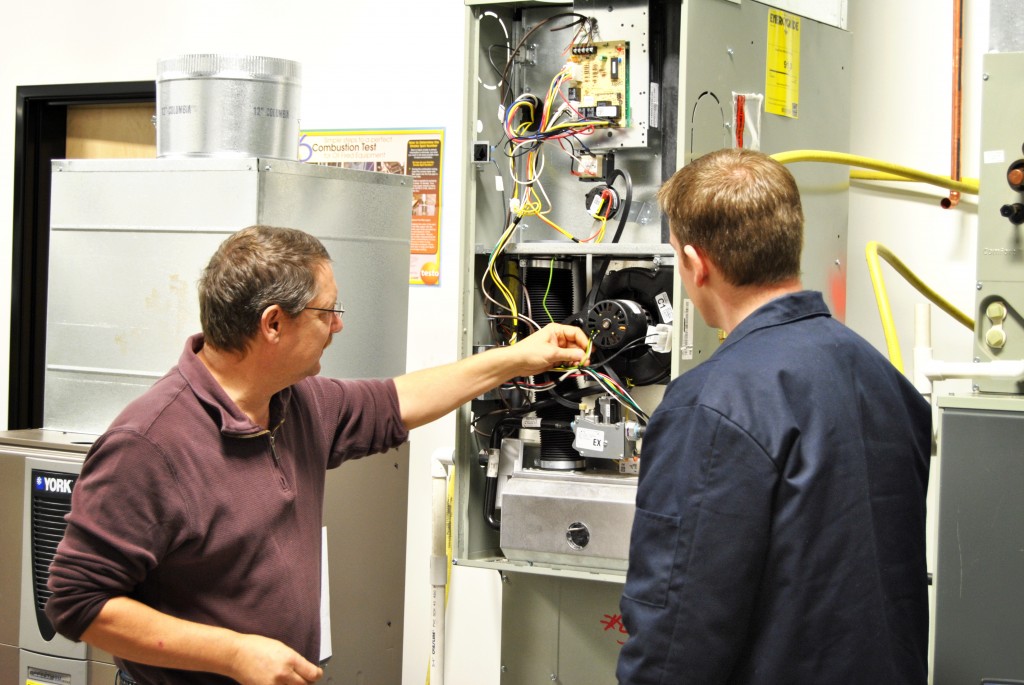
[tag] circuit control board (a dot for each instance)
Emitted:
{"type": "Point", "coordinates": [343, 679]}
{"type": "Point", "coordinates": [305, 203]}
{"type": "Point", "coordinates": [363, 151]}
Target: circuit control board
{"type": "Point", "coordinates": [600, 82]}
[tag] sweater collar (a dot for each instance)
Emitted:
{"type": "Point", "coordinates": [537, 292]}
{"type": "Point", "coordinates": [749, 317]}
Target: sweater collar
{"type": "Point", "coordinates": [231, 420]}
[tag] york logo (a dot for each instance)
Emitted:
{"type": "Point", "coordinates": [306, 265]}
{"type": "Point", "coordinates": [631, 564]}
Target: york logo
{"type": "Point", "coordinates": [56, 485]}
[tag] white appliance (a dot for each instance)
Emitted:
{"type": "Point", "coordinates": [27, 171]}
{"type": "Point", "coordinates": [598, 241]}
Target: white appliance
{"type": "Point", "coordinates": [38, 471]}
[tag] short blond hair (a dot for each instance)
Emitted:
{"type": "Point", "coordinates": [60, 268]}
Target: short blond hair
{"type": "Point", "coordinates": [742, 210]}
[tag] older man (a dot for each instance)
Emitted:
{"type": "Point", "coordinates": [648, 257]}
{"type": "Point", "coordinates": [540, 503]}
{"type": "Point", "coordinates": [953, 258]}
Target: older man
{"type": "Point", "coordinates": [192, 544]}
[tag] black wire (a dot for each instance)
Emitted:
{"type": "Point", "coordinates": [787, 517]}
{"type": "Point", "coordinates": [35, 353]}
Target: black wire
{"type": "Point", "coordinates": [632, 345]}
{"type": "Point", "coordinates": [515, 51]}
{"type": "Point", "coordinates": [490, 58]}
{"type": "Point", "coordinates": [626, 202]}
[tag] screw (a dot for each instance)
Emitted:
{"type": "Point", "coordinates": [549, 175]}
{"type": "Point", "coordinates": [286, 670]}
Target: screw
{"type": "Point", "coordinates": [978, 285]}
{"type": "Point", "coordinates": [730, 52]}
{"type": "Point", "coordinates": [984, 77]}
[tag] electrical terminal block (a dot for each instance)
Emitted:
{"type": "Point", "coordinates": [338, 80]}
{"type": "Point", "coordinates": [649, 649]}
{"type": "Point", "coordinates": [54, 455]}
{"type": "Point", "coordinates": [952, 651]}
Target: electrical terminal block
{"type": "Point", "coordinates": [576, 72]}
{"type": "Point", "coordinates": [659, 337]}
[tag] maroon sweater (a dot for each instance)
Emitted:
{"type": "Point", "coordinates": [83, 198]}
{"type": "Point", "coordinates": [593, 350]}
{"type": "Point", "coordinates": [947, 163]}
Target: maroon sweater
{"type": "Point", "coordinates": [189, 507]}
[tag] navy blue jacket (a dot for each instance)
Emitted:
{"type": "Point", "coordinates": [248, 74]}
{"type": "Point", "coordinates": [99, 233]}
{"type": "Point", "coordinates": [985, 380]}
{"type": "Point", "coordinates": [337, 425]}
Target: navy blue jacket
{"type": "Point", "coordinates": [780, 525]}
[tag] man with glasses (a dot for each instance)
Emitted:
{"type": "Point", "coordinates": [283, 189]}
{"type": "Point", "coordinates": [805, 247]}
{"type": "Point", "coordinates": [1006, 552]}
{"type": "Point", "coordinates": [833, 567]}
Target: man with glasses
{"type": "Point", "coordinates": [187, 553]}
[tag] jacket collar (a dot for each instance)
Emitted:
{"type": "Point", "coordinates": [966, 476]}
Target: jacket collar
{"type": "Point", "coordinates": [782, 310]}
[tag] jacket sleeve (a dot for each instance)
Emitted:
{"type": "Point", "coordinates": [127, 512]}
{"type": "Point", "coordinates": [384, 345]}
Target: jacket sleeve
{"type": "Point", "coordinates": [126, 512]}
{"type": "Point", "coordinates": [697, 549]}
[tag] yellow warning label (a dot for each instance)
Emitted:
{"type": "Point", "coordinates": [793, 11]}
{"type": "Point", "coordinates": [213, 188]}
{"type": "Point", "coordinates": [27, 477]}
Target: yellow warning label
{"type": "Point", "coordinates": [782, 77]}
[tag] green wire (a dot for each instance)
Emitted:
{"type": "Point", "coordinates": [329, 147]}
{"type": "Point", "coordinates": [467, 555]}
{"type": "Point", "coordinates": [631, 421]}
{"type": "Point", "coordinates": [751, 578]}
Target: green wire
{"type": "Point", "coordinates": [544, 302]}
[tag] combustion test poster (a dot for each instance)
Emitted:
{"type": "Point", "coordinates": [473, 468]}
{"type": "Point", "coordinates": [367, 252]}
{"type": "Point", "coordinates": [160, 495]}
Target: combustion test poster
{"type": "Point", "coordinates": [413, 152]}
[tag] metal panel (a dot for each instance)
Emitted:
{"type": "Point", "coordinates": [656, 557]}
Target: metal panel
{"type": "Point", "coordinates": [726, 53]}
{"type": "Point", "coordinates": [629, 21]}
{"type": "Point", "coordinates": [42, 668]}
{"type": "Point", "coordinates": [1000, 265]}
{"type": "Point", "coordinates": [1006, 26]}
{"type": "Point", "coordinates": [365, 511]}
{"type": "Point", "coordinates": [979, 605]}
{"type": "Point", "coordinates": [12, 507]}
{"type": "Point", "coordinates": [32, 638]}
{"type": "Point", "coordinates": [22, 451]}
{"type": "Point", "coordinates": [363, 218]}
{"type": "Point", "coordinates": [141, 194]}
{"type": "Point", "coordinates": [8, 663]}
{"type": "Point", "coordinates": [568, 519]}
{"type": "Point", "coordinates": [559, 630]}
{"type": "Point", "coordinates": [831, 12]}
{"type": "Point", "coordinates": [130, 238]}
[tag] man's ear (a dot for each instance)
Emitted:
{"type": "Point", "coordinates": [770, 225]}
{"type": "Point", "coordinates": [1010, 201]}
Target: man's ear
{"type": "Point", "coordinates": [270, 323]}
{"type": "Point", "coordinates": [698, 263]}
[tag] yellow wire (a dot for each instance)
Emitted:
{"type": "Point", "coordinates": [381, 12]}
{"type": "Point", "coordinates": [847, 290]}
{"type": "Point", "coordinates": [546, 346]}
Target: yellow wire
{"type": "Point", "coordinates": [555, 226]}
{"type": "Point", "coordinates": [513, 309]}
{"type": "Point", "coordinates": [969, 186]}
{"type": "Point", "coordinates": [875, 250]}
{"type": "Point", "coordinates": [859, 175]}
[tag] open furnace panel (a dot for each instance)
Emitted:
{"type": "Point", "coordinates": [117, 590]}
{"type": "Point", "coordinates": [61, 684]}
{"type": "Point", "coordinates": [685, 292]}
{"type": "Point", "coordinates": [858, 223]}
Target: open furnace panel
{"type": "Point", "coordinates": [564, 228]}
{"type": "Point", "coordinates": [577, 113]}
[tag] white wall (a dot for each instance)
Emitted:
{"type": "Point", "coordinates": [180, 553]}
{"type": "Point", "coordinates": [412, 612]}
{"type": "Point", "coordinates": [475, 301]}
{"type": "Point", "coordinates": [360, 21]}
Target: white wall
{"type": "Point", "coordinates": [400, 64]}
{"type": "Point", "coordinates": [902, 87]}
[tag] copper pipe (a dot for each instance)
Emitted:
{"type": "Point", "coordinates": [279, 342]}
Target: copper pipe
{"type": "Point", "coordinates": [958, 52]}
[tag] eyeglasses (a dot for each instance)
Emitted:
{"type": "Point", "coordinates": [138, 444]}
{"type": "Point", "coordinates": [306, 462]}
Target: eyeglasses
{"type": "Point", "coordinates": [338, 309]}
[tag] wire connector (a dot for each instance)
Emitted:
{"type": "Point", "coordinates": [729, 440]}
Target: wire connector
{"type": "Point", "coordinates": [659, 337]}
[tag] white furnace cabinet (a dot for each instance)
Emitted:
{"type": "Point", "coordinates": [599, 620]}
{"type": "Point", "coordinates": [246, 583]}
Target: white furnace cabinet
{"type": "Point", "coordinates": [128, 242]}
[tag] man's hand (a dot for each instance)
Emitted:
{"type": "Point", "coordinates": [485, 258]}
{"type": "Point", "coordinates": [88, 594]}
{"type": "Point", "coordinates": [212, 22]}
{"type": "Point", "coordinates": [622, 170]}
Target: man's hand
{"type": "Point", "coordinates": [554, 345]}
{"type": "Point", "coordinates": [431, 393]}
{"type": "Point", "coordinates": [263, 661]}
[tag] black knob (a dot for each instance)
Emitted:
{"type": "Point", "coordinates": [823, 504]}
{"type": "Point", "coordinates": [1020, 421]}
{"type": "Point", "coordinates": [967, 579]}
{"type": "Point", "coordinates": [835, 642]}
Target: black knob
{"type": "Point", "coordinates": [1014, 212]}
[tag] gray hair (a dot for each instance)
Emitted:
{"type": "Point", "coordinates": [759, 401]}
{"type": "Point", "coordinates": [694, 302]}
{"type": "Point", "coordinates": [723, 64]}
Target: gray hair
{"type": "Point", "coordinates": [255, 268]}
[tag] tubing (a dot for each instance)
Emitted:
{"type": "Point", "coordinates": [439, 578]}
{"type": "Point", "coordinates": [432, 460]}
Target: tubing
{"type": "Point", "coordinates": [875, 250]}
{"type": "Point", "coordinates": [440, 555]}
{"type": "Point", "coordinates": [968, 186]}
{"type": "Point", "coordinates": [958, 53]}
{"type": "Point", "coordinates": [876, 165]}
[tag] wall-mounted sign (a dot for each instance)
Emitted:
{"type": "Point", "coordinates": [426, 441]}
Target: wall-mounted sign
{"type": "Point", "coordinates": [413, 152]}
